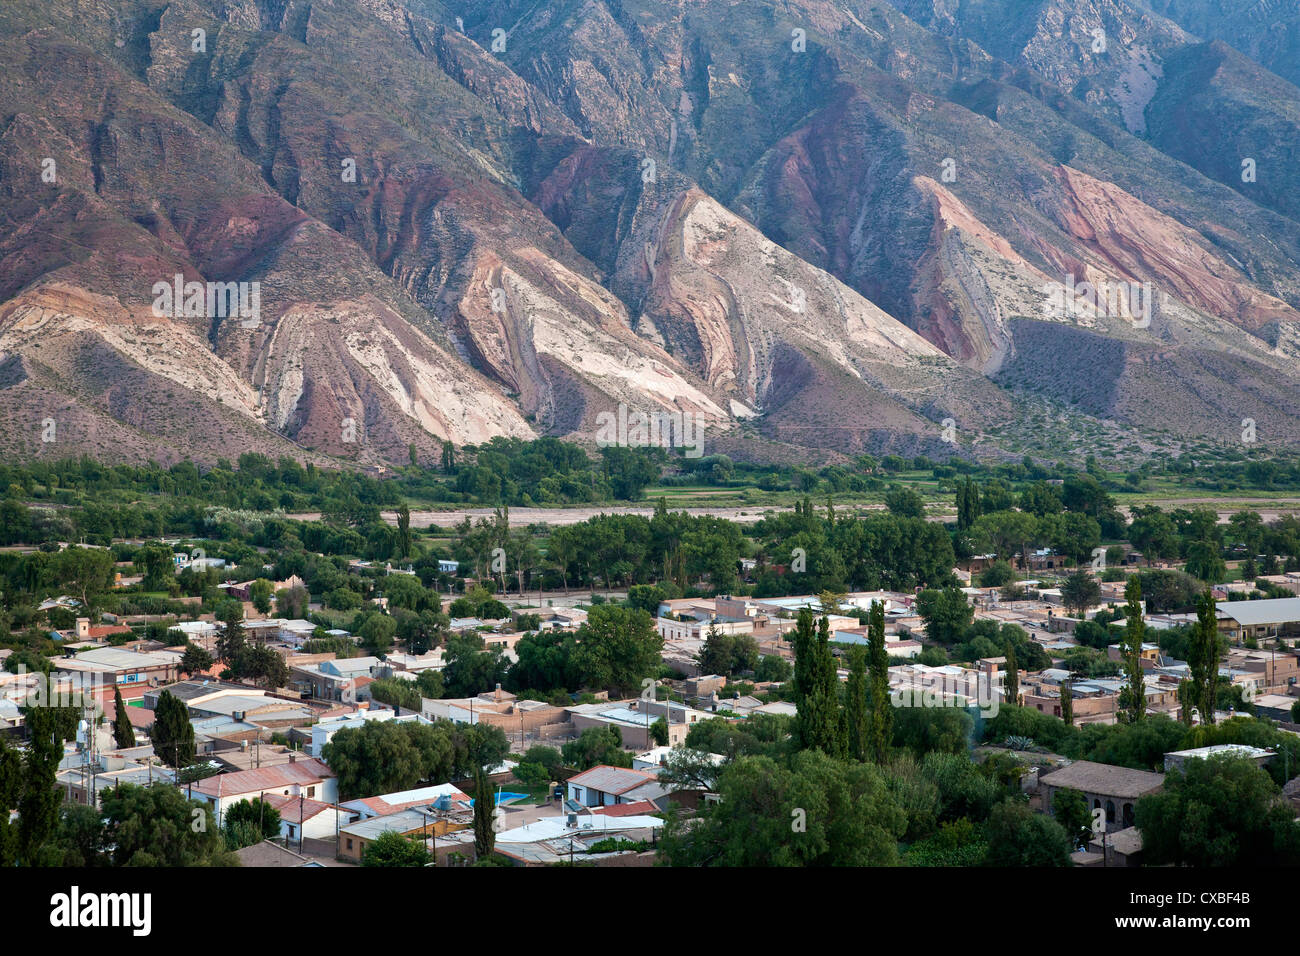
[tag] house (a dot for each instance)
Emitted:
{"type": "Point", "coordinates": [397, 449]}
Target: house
{"type": "Point", "coordinates": [197, 632]}
{"type": "Point", "coordinates": [183, 561]}
{"type": "Point", "coordinates": [63, 602]}
{"type": "Point", "coordinates": [11, 718]}
{"type": "Point", "coordinates": [115, 665]}
{"type": "Point", "coordinates": [445, 796]}
{"type": "Point", "coordinates": [1177, 759]}
{"type": "Point", "coordinates": [635, 720]}
{"type": "Point", "coordinates": [312, 778]}
{"type": "Point", "coordinates": [78, 782]}
{"type": "Point", "coordinates": [671, 630]}
{"type": "Point", "coordinates": [428, 822]}
{"type": "Point", "coordinates": [303, 817]}
{"type": "Point", "coordinates": [269, 853]}
{"type": "Point", "coordinates": [296, 632]}
{"type": "Point", "coordinates": [323, 731]}
{"type": "Point", "coordinates": [1120, 848]}
{"type": "Point", "coordinates": [1114, 789]}
{"type": "Point", "coordinates": [1275, 706]}
{"type": "Point", "coordinates": [555, 840]}
{"type": "Point", "coordinates": [85, 632]}
{"type": "Point", "coordinates": [497, 707]}
{"type": "Point", "coordinates": [1260, 620]}
{"type": "Point", "coordinates": [332, 679]}
{"type": "Point", "coordinates": [260, 709]}
{"type": "Point", "coordinates": [607, 786]}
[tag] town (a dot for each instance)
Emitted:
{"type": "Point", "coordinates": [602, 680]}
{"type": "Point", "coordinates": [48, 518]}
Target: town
{"type": "Point", "coordinates": [950, 681]}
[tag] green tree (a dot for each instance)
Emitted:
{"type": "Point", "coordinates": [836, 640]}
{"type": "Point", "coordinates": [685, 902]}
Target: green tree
{"type": "Point", "coordinates": [817, 720]}
{"type": "Point", "coordinates": [250, 821]}
{"type": "Point", "coordinates": [292, 602]}
{"type": "Point", "coordinates": [471, 667]}
{"type": "Point", "coordinates": [548, 758]}
{"type": "Point", "coordinates": [773, 668]}
{"type": "Point", "coordinates": [1204, 562]}
{"type": "Point", "coordinates": [39, 799]}
{"type": "Point", "coordinates": [123, 732]}
{"type": "Point", "coordinates": [1203, 657]}
{"type": "Point", "coordinates": [882, 708]}
{"type": "Point", "coordinates": [484, 816]}
{"type": "Point", "coordinates": [1079, 592]}
{"type": "Point", "coordinates": [157, 826]}
{"type": "Point", "coordinates": [195, 660]}
{"type": "Point", "coordinates": [1019, 837]}
{"type": "Point", "coordinates": [997, 574]}
{"type": "Point", "coordinates": [596, 746]}
{"type": "Point", "coordinates": [946, 614]}
{"type": "Point", "coordinates": [172, 733]}
{"type": "Point", "coordinates": [647, 597]}
{"type": "Point", "coordinates": [157, 564]}
{"type": "Point", "coordinates": [904, 502]}
{"type": "Point", "coordinates": [659, 732]}
{"type": "Point", "coordinates": [263, 665]}
{"type": "Point", "coordinates": [232, 638]}
{"type": "Point", "coordinates": [12, 783]}
{"type": "Point", "coordinates": [1070, 809]}
{"type": "Point", "coordinates": [817, 811]}
{"type": "Point", "coordinates": [377, 757]}
{"type": "Point", "coordinates": [403, 530]}
{"type": "Point", "coordinates": [396, 849]}
{"type": "Point", "coordinates": [259, 592]}
{"type": "Point", "coordinates": [1133, 697]}
{"type": "Point", "coordinates": [1067, 702]}
{"type": "Point", "coordinates": [377, 634]}
{"type": "Point", "coordinates": [857, 709]}
{"type": "Point", "coordinates": [87, 572]}
{"type": "Point", "coordinates": [617, 648]}
{"type": "Point", "coordinates": [1220, 812]}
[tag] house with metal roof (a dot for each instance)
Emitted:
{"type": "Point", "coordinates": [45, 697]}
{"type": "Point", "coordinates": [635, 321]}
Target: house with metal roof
{"type": "Point", "coordinates": [1177, 759]}
{"type": "Point", "coordinates": [606, 786]}
{"type": "Point", "coordinates": [114, 665]}
{"type": "Point", "coordinates": [1261, 620]}
{"type": "Point", "coordinates": [309, 778]}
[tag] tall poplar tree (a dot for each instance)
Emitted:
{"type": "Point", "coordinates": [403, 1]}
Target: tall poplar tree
{"type": "Point", "coordinates": [403, 530]}
{"type": "Point", "coordinates": [856, 706]}
{"type": "Point", "coordinates": [1134, 630]}
{"type": "Point", "coordinates": [1203, 656]}
{"type": "Point", "coordinates": [484, 836]}
{"type": "Point", "coordinates": [38, 807]}
{"type": "Point", "coordinates": [123, 732]}
{"type": "Point", "coordinates": [1067, 702]}
{"type": "Point", "coordinates": [817, 723]}
{"type": "Point", "coordinates": [11, 788]}
{"type": "Point", "coordinates": [1013, 675]}
{"type": "Point", "coordinates": [882, 709]}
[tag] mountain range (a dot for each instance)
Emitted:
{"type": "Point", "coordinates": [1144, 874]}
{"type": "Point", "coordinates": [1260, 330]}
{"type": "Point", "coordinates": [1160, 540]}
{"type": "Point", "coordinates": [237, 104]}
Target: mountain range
{"type": "Point", "coordinates": [822, 227]}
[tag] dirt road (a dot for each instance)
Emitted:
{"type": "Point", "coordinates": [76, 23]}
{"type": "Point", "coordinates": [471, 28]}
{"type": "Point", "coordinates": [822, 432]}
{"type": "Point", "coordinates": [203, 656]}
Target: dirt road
{"type": "Point", "coordinates": [1270, 509]}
